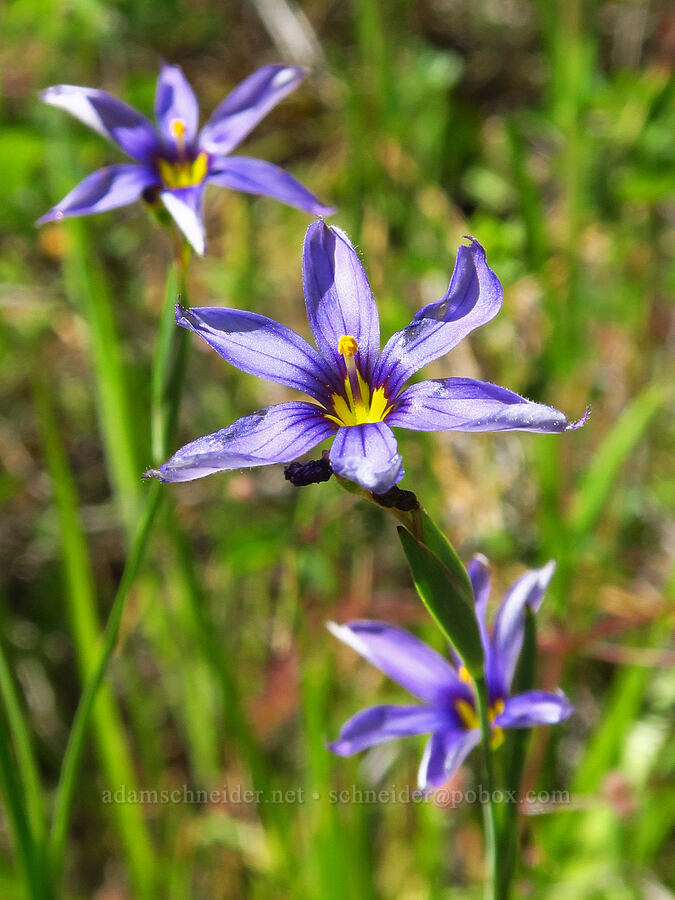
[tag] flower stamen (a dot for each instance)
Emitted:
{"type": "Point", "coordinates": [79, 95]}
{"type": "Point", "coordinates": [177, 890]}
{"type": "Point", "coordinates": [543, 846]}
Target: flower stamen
{"type": "Point", "coordinates": [184, 174]}
{"type": "Point", "coordinates": [359, 405]}
{"type": "Point", "coordinates": [177, 127]}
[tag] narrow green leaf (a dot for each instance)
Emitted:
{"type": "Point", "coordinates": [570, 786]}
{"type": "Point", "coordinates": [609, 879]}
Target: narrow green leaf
{"type": "Point", "coordinates": [600, 477]}
{"type": "Point", "coordinates": [80, 596]}
{"type": "Point", "coordinates": [25, 754]}
{"type": "Point", "coordinates": [29, 855]}
{"type": "Point", "coordinates": [440, 546]}
{"type": "Point", "coordinates": [438, 589]}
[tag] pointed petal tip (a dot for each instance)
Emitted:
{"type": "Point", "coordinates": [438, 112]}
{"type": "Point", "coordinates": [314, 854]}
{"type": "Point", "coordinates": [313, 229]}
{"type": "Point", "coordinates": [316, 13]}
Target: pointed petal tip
{"type": "Point", "coordinates": [567, 708]}
{"type": "Point", "coordinates": [339, 748]}
{"type": "Point", "coordinates": [323, 211]}
{"type": "Point", "coordinates": [474, 242]}
{"type": "Point", "coordinates": [152, 473]}
{"type": "Point", "coordinates": [548, 569]}
{"type": "Point", "coordinates": [287, 74]}
{"type": "Point", "coordinates": [580, 422]}
{"type": "Point", "coordinates": [48, 94]}
{"type": "Point", "coordinates": [481, 559]}
{"type": "Point", "coordinates": [334, 628]}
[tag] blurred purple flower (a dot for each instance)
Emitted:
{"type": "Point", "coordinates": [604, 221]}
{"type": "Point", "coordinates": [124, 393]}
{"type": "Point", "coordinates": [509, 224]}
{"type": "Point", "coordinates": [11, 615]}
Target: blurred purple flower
{"type": "Point", "coordinates": [175, 161]}
{"type": "Point", "coordinates": [356, 389]}
{"type": "Point", "coordinates": [448, 711]}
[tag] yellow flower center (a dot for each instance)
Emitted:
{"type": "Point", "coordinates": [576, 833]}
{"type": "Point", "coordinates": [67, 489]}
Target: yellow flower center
{"type": "Point", "coordinates": [464, 675]}
{"type": "Point", "coordinates": [467, 713]}
{"type": "Point", "coordinates": [359, 405]}
{"type": "Point", "coordinates": [183, 173]}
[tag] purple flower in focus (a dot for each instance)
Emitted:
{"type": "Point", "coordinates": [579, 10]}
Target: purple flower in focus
{"type": "Point", "coordinates": [174, 160]}
{"type": "Point", "coordinates": [356, 390]}
{"type": "Point", "coordinates": [448, 709]}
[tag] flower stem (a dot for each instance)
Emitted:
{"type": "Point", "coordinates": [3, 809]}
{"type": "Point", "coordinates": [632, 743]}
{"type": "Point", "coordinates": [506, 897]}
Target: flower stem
{"type": "Point", "coordinates": [492, 878]}
{"type": "Point", "coordinates": [167, 376]}
{"type": "Point", "coordinates": [65, 790]}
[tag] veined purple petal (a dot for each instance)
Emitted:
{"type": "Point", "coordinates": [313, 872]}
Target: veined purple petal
{"type": "Point", "coordinates": [262, 347]}
{"type": "Point", "coordinates": [507, 634]}
{"type": "Point", "coordinates": [444, 754]}
{"type": "Point", "coordinates": [175, 101]}
{"type": "Point", "coordinates": [534, 708]}
{"type": "Point", "coordinates": [338, 297]}
{"type": "Point", "coordinates": [113, 119]}
{"type": "Point", "coordinates": [405, 659]}
{"type": "Point", "coordinates": [185, 207]}
{"type": "Point", "coordinates": [464, 404]}
{"type": "Point", "coordinates": [383, 723]}
{"type": "Point", "coordinates": [367, 455]}
{"type": "Point", "coordinates": [472, 299]}
{"type": "Point", "coordinates": [248, 103]}
{"type": "Point", "coordinates": [478, 571]}
{"type": "Point", "coordinates": [255, 176]}
{"type": "Point", "coordinates": [277, 434]}
{"type": "Point", "coordinates": [105, 189]}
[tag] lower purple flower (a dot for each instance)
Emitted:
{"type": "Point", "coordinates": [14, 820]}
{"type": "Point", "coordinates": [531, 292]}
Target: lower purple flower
{"type": "Point", "coordinates": [448, 709]}
{"type": "Point", "coordinates": [357, 391]}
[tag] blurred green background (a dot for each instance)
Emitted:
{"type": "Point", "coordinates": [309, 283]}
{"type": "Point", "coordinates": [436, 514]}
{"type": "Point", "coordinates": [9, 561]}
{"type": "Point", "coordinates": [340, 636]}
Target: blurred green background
{"type": "Point", "coordinates": [545, 129]}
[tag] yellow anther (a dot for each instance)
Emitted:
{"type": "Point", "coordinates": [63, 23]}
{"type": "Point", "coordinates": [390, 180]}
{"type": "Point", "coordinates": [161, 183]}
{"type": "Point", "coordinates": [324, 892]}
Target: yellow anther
{"type": "Point", "coordinates": [464, 675]}
{"type": "Point", "coordinates": [496, 709]}
{"type": "Point", "coordinates": [467, 714]}
{"type": "Point", "coordinates": [200, 167]}
{"type": "Point", "coordinates": [347, 346]}
{"type": "Point", "coordinates": [177, 128]}
{"type": "Point", "coordinates": [359, 405]}
{"type": "Point", "coordinates": [184, 174]}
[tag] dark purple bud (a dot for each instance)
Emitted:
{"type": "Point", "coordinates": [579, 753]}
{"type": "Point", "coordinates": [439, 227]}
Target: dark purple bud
{"type": "Point", "coordinates": [312, 472]}
{"type": "Point", "coordinates": [395, 498]}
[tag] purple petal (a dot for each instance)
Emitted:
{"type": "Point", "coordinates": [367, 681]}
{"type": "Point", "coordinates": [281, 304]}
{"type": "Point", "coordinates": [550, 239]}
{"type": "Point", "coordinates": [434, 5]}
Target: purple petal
{"type": "Point", "coordinates": [277, 434]}
{"type": "Point", "coordinates": [444, 754]}
{"type": "Point", "coordinates": [113, 119]}
{"type": "Point", "coordinates": [473, 298]}
{"type": "Point", "coordinates": [175, 100]}
{"type": "Point", "coordinates": [260, 346]}
{"type": "Point", "coordinates": [507, 634]}
{"type": "Point", "coordinates": [105, 189]}
{"type": "Point", "coordinates": [255, 176]}
{"type": "Point", "coordinates": [479, 575]}
{"type": "Point", "coordinates": [185, 207]}
{"type": "Point", "coordinates": [463, 404]}
{"type": "Point", "coordinates": [378, 724]}
{"type": "Point", "coordinates": [534, 708]}
{"type": "Point", "coordinates": [338, 297]}
{"type": "Point", "coordinates": [404, 658]}
{"type": "Point", "coordinates": [367, 455]}
{"type": "Point", "coordinates": [248, 103]}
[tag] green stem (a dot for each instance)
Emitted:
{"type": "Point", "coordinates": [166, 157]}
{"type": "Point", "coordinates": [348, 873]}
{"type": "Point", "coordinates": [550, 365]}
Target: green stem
{"type": "Point", "coordinates": [492, 877]}
{"type": "Point", "coordinates": [23, 747]}
{"type": "Point", "coordinates": [170, 360]}
{"type": "Point", "coordinates": [29, 854]}
{"type": "Point", "coordinates": [167, 376]}
{"type": "Point", "coordinates": [65, 790]}
{"type": "Point", "coordinates": [82, 604]}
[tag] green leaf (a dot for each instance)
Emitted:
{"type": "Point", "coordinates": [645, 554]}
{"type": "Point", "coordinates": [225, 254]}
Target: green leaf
{"type": "Point", "coordinates": [434, 539]}
{"type": "Point", "coordinates": [447, 603]}
{"type": "Point", "coordinates": [599, 479]}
